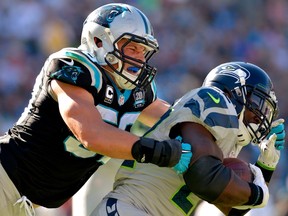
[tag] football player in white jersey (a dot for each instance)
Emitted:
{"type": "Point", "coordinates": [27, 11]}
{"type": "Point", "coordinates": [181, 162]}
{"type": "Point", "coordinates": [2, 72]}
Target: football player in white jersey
{"type": "Point", "coordinates": [235, 106]}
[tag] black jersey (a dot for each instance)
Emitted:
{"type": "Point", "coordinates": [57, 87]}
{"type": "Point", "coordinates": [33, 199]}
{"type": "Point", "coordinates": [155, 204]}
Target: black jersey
{"type": "Point", "coordinates": [40, 154]}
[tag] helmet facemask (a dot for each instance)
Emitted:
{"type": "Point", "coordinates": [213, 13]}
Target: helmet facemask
{"type": "Point", "coordinates": [144, 73]}
{"type": "Point", "coordinates": [264, 107]}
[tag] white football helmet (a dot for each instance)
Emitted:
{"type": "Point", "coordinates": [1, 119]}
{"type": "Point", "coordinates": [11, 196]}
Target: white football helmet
{"type": "Point", "coordinates": [110, 23]}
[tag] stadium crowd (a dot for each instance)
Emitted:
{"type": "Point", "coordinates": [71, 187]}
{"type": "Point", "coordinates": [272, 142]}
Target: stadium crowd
{"type": "Point", "coordinates": [194, 36]}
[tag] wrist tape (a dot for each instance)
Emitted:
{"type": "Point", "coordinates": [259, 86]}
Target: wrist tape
{"type": "Point", "coordinates": [257, 195]}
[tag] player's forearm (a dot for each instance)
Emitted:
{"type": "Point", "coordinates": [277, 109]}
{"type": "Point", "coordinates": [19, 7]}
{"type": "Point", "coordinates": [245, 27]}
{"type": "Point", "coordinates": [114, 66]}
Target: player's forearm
{"type": "Point", "coordinates": [117, 143]}
{"type": "Point", "coordinates": [110, 141]}
{"type": "Point", "coordinates": [236, 192]}
{"type": "Point", "coordinates": [229, 211]}
{"type": "Point", "coordinates": [209, 179]}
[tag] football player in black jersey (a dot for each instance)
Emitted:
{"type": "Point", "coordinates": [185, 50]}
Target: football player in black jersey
{"type": "Point", "coordinates": [83, 104]}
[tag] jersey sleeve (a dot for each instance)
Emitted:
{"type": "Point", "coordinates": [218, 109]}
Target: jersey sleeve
{"type": "Point", "coordinates": [74, 67]}
{"type": "Point", "coordinates": [214, 111]}
{"type": "Point", "coordinates": [205, 106]}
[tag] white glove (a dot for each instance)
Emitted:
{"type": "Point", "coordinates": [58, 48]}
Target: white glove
{"type": "Point", "coordinates": [269, 155]}
{"type": "Point", "coordinates": [260, 182]}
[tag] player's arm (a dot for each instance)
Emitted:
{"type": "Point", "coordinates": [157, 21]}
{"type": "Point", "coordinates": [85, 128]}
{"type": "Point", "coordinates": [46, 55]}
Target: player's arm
{"type": "Point", "coordinates": [268, 158]}
{"type": "Point", "coordinates": [207, 177]}
{"type": "Point", "coordinates": [151, 114]}
{"type": "Point", "coordinates": [77, 109]}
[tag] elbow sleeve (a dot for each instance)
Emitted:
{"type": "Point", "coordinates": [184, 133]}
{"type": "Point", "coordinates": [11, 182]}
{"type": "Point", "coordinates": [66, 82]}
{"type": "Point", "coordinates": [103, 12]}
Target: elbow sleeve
{"type": "Point", "coordinates": [207, 178]}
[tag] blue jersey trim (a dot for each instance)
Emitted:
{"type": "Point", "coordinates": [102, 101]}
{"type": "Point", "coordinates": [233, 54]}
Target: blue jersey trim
{"type": "Point", "coordinates": [97, 82]}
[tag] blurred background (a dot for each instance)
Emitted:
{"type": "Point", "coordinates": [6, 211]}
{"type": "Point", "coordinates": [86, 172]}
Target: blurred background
{"type": "Point", "coordinates": [194, 36]}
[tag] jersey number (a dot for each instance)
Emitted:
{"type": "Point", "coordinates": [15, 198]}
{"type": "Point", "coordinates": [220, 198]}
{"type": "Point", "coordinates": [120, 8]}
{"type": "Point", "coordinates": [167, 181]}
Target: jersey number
{"type": "Point", "coordinates": [73, 146]}
{"type": "Point", "coordinates": [181, 199]}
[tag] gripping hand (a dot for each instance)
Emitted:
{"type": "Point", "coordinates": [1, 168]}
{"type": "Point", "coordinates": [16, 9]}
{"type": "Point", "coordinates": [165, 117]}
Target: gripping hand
{"type": "Point", "coordinates": [278, 128]}
{"type": "Point", "coordinates": [166, 153]}
{"type": "Point", "coordinates": [185, 159]}
{"type": "Point", "coordinates": [269, 155]}
{"type": "Point", "coordinates": [259, 191]}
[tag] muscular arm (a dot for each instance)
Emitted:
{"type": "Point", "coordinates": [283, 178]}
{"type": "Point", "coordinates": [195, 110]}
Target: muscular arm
{"type": "Point", "coordinates": [207, 177]}
{"type": "Point", "coordinates": [77, 109]}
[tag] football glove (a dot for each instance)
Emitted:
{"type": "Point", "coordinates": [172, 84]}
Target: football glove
{"type": "Point", "coordinates": [269, 155]}
{"type": "Point", "coordinates": [279, 129]}
{"type": "Point", "coordinates": [259, 191]}
{"type": "Point", "coordinates": [185, 159]}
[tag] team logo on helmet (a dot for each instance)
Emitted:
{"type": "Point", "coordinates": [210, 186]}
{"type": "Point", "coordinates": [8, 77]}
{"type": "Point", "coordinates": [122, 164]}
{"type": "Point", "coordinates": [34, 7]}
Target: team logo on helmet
{"type": "Point", "coordinates": [235, 71]}
{"type": "Point", "coordinates": [106, 14]}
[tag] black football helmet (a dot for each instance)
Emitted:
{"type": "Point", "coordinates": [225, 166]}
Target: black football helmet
{"type": "Point", "coordinates": [248, 87]}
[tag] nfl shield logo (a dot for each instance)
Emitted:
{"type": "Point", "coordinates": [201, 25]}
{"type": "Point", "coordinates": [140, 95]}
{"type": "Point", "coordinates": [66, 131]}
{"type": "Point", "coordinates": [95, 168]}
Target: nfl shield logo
{"type": "Point", "coordinates": [121, 100]}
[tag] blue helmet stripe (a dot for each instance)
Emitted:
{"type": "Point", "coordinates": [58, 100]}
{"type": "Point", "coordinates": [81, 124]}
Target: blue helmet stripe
{"type": "Point", "coordinates": [145, 21]}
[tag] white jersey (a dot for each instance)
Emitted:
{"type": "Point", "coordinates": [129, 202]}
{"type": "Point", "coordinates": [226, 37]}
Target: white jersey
{"type": "Point", "coordinates": [160, 191]}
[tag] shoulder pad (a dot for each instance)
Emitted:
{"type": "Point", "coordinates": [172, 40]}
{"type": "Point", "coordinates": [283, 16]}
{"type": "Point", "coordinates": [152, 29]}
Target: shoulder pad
{"type": "Point", "coordinates": [72, 66]}
{"type": "Point", "coordinates": [215, 109]}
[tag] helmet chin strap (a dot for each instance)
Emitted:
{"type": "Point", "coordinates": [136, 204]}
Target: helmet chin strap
{"type": "Point", "coordinates": [244, 136]}
{"type": "Point", "coordinates": [254, 127]}
{"type": "Point", "coordinates": [122, 82]}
